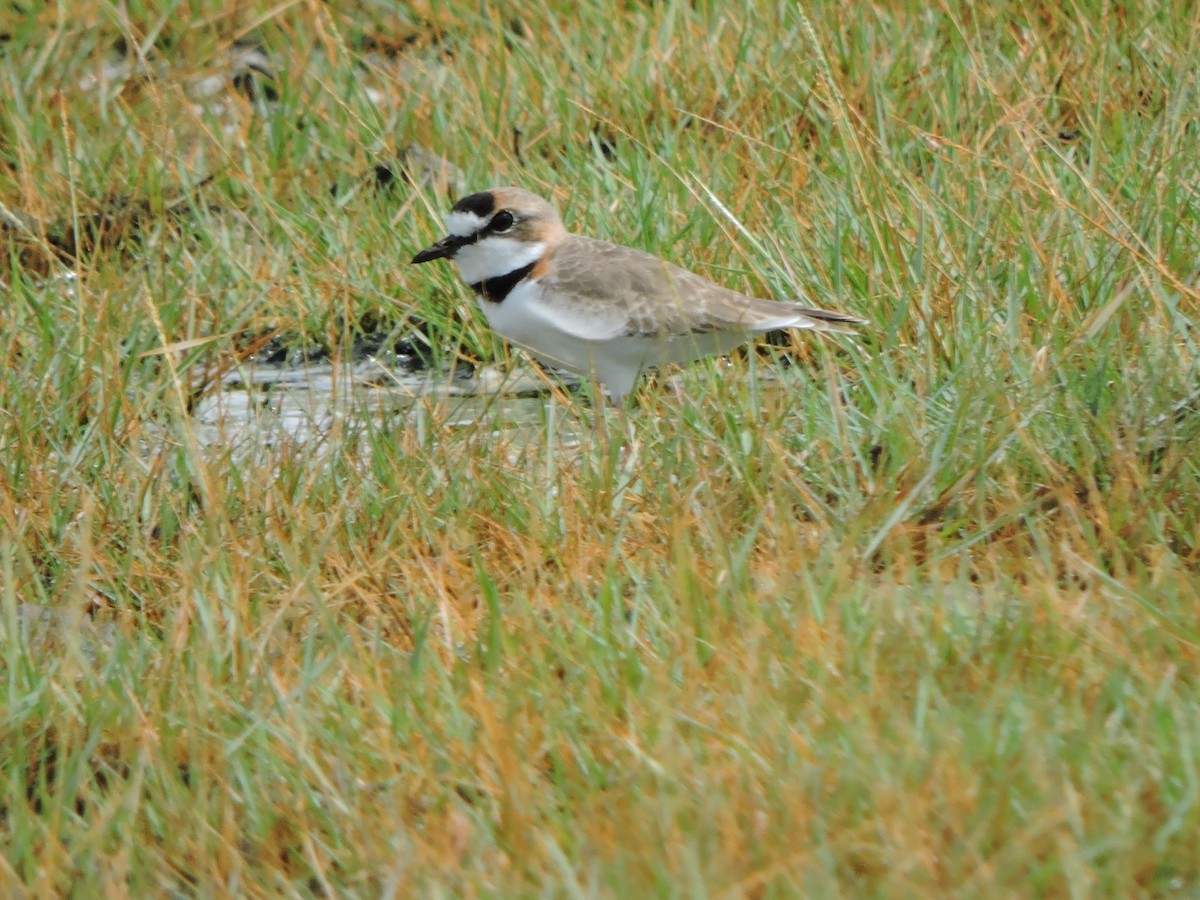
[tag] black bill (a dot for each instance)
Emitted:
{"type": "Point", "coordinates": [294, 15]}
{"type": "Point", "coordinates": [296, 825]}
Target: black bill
{"type": "Point", "coordinates": [443, 249]}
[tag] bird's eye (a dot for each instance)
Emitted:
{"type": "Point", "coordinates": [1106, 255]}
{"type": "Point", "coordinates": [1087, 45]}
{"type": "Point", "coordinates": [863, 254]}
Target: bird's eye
{"type": "Point", "coordinates": [502, 221]}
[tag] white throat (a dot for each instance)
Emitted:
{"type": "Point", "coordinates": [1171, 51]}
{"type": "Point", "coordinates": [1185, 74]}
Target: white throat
{"type": "Point", "coordinates": [495, 256]}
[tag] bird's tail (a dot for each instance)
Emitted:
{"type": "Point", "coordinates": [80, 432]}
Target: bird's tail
{"type": "Point", "coordinates": [772, 315]}
{"type": "Point", "coordinates": [827, 320]}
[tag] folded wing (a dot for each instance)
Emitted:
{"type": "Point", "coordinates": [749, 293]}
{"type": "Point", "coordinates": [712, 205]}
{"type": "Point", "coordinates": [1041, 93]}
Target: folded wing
{"type": "Point", "coordinates": [604, 291]}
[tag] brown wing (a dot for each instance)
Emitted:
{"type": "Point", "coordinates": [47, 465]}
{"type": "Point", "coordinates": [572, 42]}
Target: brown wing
{"type": "Point", "coordinates": [632, 292]}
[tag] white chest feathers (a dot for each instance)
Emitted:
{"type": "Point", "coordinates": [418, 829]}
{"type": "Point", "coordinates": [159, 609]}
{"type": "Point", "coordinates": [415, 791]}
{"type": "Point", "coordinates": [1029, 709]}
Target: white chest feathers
{"type": "Point", "coordinates": [494, 257]}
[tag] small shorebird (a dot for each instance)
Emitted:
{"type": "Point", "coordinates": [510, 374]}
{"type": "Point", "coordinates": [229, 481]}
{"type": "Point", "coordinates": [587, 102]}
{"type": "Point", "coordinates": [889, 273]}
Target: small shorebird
{"type": "Point", "coordinates": [598, 309]}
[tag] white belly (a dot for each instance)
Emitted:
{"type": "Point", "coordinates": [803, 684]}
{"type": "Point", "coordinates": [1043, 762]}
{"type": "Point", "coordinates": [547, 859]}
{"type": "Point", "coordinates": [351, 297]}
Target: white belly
{"type": "Point", "coordinates": [523, 319]}
{"type": "Point", "coordinates": [592, 346]}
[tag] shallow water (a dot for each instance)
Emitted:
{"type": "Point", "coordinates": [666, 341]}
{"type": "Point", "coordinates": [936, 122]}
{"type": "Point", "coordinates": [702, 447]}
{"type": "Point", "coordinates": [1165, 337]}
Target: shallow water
{"type": "Point", "coordinates": [265, 403]}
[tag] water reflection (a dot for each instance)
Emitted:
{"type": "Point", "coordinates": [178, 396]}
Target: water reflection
{"type": "Point", "coordinates": [262, 404]}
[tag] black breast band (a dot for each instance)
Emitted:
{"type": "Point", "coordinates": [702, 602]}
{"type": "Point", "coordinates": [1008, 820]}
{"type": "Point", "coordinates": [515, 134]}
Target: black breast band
{"type": "Point", "coordinates": [494, 290]}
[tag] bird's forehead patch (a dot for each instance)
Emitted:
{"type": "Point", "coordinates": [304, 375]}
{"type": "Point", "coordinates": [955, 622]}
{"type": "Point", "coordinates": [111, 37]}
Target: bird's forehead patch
{"type": "Point", "coordinates": [462, 223]}
{"type": "Point", "coordinates": [480, 205]}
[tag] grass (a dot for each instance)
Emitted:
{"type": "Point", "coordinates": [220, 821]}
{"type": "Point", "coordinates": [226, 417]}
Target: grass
{"type": "Point", "coordinates": [912, 616]}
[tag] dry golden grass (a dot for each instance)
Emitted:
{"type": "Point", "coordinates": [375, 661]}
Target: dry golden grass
{"type": "Point", "coordinates": [909, 616]}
